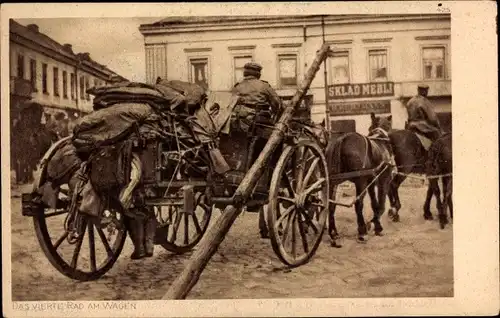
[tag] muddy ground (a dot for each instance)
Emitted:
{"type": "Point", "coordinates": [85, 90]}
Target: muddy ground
{"type": "Point", "coordinates": [413, 259]}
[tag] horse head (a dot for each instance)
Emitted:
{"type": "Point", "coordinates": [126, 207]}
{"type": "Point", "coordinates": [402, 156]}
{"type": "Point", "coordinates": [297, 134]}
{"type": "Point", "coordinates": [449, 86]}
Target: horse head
{"type": "Point", "coordinates": [380, 124]}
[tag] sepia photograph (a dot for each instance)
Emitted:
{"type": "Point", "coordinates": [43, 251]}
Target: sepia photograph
{"type": "Point", "coordinates": [219, 156]}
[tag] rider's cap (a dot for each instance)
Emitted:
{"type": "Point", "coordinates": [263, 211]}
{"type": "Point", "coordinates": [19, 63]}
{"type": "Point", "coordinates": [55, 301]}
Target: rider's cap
{"type": "Point", "coordinates": [253, 66]}
{"type": "Point", "coordinates": [423, 86]}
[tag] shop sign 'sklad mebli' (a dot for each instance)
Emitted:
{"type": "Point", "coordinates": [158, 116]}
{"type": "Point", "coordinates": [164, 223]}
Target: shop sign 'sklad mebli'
{"type": "Point", "coordinates": [345, 91]}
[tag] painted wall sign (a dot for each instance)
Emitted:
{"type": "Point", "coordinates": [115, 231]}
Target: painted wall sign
{"type": "Point", "coordinates": [345, 91]}
{"type": "Point", "coordinates": [360, 108]}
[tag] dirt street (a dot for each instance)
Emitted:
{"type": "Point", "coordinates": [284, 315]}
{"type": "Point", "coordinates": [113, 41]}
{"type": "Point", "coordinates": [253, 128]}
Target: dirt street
{"type": "Point", "coordinates": [413, 259]}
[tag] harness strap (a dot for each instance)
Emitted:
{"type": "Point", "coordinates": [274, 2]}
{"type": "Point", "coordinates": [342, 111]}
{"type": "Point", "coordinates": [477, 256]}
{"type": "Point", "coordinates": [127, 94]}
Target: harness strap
{"type": "Point", "coordinates": [366, 152]}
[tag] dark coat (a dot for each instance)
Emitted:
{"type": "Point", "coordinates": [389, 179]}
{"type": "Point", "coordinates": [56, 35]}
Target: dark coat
{"type": "Point", "coordinates": [257, 94]}
{"type": "Point", "coordinates": [422, 118]}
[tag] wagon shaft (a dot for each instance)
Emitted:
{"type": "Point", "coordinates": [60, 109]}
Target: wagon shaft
{"type": "Point", "coordinates": [191, 273]}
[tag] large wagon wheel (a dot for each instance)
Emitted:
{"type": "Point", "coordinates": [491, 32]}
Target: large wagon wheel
{"type": "Point", "coordinates": [86, 253]}
{"type": "Point", "coordinates": [298, 202]}
{"type": "Point", "coordinates": [178, 231]}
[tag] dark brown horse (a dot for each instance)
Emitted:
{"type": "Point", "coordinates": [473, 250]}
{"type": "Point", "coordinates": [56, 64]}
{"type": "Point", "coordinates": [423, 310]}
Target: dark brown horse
{"type": "Point", "coordinates": [354, 152]}
{"type": "Point", "coordinates": [411, 158]}
{"type": "Point", "coordinates": [440, 162]}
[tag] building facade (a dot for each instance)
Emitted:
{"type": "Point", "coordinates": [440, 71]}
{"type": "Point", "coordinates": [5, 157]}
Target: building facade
{"type": "Point", "coordinates": [375, 65]}
{"type": "Point", "coordinates": [59, 78]}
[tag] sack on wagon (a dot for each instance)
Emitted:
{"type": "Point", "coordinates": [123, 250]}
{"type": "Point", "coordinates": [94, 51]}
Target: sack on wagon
{"type": "Point", "coordinates": [109, 125]}
{"type": "Point", "coordinates": [193, 95]}
{"type": "Point", "coordinates": [107, 96]}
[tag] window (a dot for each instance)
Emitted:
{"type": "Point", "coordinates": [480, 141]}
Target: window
{"type": "Point", "coordinates": [433, 62]}
{"type": "Point", "coordinates": [73, 86]}
{"type": "Point", "coordinates": [65, 84]}
{"type": "Point", "coordinates": [33, 74]}
{"type": "Point", "coordinates": [20, 66]}
{"type": "Point", "coordinates": [239, 63]}
{"type": "Point", "coordinates": [199, 71]}
{"type": "Point", "coordinates": [87, 86]}
{"type": "Point", "coordinates": [339, 64]}
{"type": "Point", "coordinates": [378, 65]}
{"type": "Point", "coordinates": [82, 88]}
{"type": "Point", "coordinates": [44, 78]}
{"type": "Point", "coordinates": [287, 69]}
{"type": "Point", "coordinates": [56, 81]}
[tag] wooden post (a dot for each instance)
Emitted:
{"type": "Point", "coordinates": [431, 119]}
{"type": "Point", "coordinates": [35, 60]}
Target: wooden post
{"type": "Point", "coordinates": [216, 234]}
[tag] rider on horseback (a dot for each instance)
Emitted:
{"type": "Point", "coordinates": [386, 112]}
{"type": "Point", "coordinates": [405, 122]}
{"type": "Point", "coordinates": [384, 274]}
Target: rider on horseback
{"type": "Point", "coordinates": [421, 117]}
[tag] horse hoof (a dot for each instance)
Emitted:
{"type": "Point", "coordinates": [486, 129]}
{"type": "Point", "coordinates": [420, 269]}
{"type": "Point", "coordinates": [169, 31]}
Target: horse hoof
{"type": "Point", "coordinates": [264, 235]}
{"type": "Point", "coordinates": [395, 218]}
{"type": "Point", "coordinates": [442, 226]}
{"type": "Point", "coordinates": [361, 240]}
{"type": "Point", "coordinates": [379, 234]}
{"type": "Point", "coordinates": [428, 217]}
{"type": "Point", "coordinates": [336, 245]}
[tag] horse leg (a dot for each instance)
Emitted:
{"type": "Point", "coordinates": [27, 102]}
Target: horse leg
{"type": "Point", "coordinates": [383, 188]}
{"type": "Point", "coordinates": [362, 231]}
{"type": "Point", "coordinates": [432, 189]}
{"type": "Point", "coordinates": [374, 203]}
{"type": "Point", "coordinates": [263, 230]}
{"type": "Point", "coordinates": [443, 217]}
{"type": "Point", "coordinates": [450, 200]}
{"type": "Point", "coordinates": [434, 186]}
{"type": "Point", "coordinates": [332, 228]}
{"type": "Point", "coordinates": [396, 204]}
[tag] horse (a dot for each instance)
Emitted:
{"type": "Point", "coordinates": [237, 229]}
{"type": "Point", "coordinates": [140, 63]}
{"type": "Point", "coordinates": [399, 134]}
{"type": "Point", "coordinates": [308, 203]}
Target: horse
{"type": "Point", "coordinates": [411, 158]}
{"type": "Point", "coordinates": [440, 162]}
{"type": "Point", "coordinates": [354, 152]}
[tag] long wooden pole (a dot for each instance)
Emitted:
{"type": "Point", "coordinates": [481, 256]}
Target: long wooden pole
{"type": "Point", "coordinates": [325, 76]}
{"type": "Point", "coordinates": [216, 234]}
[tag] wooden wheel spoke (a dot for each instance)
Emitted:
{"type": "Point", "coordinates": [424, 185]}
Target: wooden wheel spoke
{"type": "Point", "coordinates": [319, 205]}
{"type": "Point", "coordinates": [55, 213]}
{"type": "Point", "coordinates": [281, 198]}
{"type": "Point", "coordinates": [78, 247]}
{"type": "Point", "coordinates": [303, 235]}
{"type": "Point", "coordinates": [315, 187]}
{"type": "Point", "coordinates": [294, 236]}
{"type": "Point", "coordinates": [105, 242]}
{"type": "Point", "coordinates": [289, 184]}
{"type": "Point", "coordinates": [186, 228]}
{"type": "Point", "coordinates": [284, 215]}
{"type": "Point", "coordinates": [310, 172]}
{"type": "Point", "coordinates": [299, 174]}
{"type": "Point", "coordinates": [93, 265]}
{"type": "Point", "coordinates": [177, 223]}
{"type": "Point", "coordinates": [309, 221]}
{"type": "Point", "coordinates": [204, 206]}
{"type": "Point", "coordinates": [196, 224]}
{"type": "Point", "coordinates": [60, 240]}
{"type": "Point", "coordinates": [287, 227]}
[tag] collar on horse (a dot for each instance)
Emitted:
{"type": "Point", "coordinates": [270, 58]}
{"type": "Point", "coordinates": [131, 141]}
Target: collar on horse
{"type": "Point", "coordinates": [373, 142]}
{"type": "Point", "coordinates": [379, 134]}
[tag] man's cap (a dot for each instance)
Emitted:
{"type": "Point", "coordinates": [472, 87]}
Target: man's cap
{"type": "Point", "coordinates": [253, 66]}
{"type": "Point", "coordinates": [423, 86]}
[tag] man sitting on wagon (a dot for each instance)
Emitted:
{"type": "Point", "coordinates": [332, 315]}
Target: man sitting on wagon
{"type": "Point", "coordinates": [256, 96]}
{"type": "Point", "coordinates": [257, 102]}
